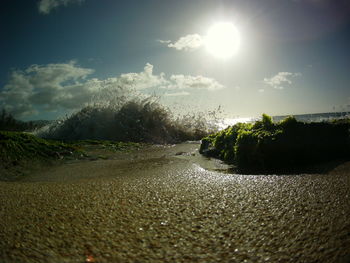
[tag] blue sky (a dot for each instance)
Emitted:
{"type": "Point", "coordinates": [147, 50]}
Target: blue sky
{"type": "Point", "coordinates": [293, 57]}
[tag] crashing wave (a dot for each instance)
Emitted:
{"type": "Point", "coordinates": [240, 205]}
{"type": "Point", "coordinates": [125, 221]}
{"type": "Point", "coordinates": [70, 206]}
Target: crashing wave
{"type": "Point", "coordinates": [135, 119]}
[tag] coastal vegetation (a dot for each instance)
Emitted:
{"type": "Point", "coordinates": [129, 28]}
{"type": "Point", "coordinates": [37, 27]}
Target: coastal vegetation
{"type": "Point", "coordinates": [18, 146]}
{"type": "Point", "coordinates": [21, 151]}
{"type": "Point", "coordinates": [9, 123]}
{"type": "Point", "coordinates": [267, 146]}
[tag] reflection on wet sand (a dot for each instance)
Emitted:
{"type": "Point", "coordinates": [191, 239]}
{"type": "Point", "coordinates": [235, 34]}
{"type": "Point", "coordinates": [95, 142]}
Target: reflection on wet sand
{"type": "Point", "coordinates": [171, 204]}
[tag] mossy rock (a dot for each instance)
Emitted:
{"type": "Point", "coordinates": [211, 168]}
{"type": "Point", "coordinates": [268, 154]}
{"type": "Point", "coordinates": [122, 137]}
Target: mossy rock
{"type": "Point", "coordinates": [266, 146]}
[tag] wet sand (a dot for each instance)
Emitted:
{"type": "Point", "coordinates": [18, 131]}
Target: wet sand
{"type": "Point", "coordinates": [166, 205]}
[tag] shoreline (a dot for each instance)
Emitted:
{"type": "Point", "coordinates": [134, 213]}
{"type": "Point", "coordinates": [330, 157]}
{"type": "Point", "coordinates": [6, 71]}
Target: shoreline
{"type": "Point", "coordinates": [187, 152]}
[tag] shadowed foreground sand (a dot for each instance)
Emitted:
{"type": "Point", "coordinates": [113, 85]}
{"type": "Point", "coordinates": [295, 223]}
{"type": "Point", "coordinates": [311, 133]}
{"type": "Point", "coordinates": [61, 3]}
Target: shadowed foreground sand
{"type": "Point", "coordinates": [160, 205]}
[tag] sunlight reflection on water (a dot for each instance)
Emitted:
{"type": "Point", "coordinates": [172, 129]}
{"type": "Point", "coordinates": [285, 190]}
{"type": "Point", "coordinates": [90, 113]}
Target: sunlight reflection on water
{"type": "Point", "coordinates": [316, 117]}
{"type": "Point", "coordinates": [232, 121]}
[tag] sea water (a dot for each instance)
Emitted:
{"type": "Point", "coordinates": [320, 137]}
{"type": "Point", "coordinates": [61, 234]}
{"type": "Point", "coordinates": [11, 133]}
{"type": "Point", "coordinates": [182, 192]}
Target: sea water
{"type": "Point", "coordinates": [313, 117]}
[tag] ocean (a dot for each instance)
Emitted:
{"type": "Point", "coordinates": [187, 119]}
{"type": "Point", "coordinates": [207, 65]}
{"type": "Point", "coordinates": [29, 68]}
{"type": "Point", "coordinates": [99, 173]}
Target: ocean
{"type": "Point", "coordinates": [314, 117]}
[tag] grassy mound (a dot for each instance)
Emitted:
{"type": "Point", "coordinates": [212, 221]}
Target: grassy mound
{"type": "Point", "coordinates": [16, 147]}
{"type": "Point", "coordinates": [267, 146]}
{"type": "Point", "coordinates": [22, 153]}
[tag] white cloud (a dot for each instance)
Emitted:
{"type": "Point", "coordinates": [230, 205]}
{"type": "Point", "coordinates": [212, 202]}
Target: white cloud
{"type": "Point", "coordinates": [164, 41]}
{"type": "Point", "coordinates": [146, 79]}
{"type": "Point", "coordinates": [46, 6]}
{"type": "Point", "coordinates": [47, 86]}
{"type": "Point", "coordinates": [186, 43]}
{"type": "Point", "coordinates": [282, 78]}
{"type": "Point", "coordinates": [65, 86]}
{"type": "Point", "coordinates": [194, 82]}
{"type": "Point", "coordinates": [143, 80]}
{"type": "Point", "coordinates": [261, 90]}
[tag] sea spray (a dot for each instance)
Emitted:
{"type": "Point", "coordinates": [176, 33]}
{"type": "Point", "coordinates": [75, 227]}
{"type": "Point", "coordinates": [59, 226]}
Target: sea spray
{"type": "Point", "coordinates": [137, 119]}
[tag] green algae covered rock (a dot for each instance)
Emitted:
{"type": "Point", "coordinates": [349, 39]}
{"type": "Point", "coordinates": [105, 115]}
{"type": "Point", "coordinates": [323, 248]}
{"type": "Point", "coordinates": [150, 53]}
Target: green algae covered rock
{"type": "Point", "coordinates": [265, 145]}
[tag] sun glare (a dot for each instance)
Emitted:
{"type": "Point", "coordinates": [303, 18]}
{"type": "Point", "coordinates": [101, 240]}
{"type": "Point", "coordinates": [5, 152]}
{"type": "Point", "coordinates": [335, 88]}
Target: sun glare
{"type": "Point", "coordinates": [222, 40]}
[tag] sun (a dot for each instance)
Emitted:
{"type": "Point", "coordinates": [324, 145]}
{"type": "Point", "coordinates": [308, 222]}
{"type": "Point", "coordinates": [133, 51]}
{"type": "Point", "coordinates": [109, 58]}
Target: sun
{"type": "Point", "coordinates": [222, 40]}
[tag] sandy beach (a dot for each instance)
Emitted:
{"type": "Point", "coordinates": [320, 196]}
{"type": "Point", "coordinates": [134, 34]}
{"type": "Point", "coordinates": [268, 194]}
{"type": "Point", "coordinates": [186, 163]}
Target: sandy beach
{"type": "Point", "coordinates": [169, 204]}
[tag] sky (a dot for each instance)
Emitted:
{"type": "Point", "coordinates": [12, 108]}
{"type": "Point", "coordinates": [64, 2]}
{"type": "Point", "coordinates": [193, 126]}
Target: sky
{"type": "Point", "coordinates": [289, 56]}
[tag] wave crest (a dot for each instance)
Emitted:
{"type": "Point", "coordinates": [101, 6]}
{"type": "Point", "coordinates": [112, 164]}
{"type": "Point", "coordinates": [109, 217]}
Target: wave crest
{"type": "Point", "coordinates": [137, 120]}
